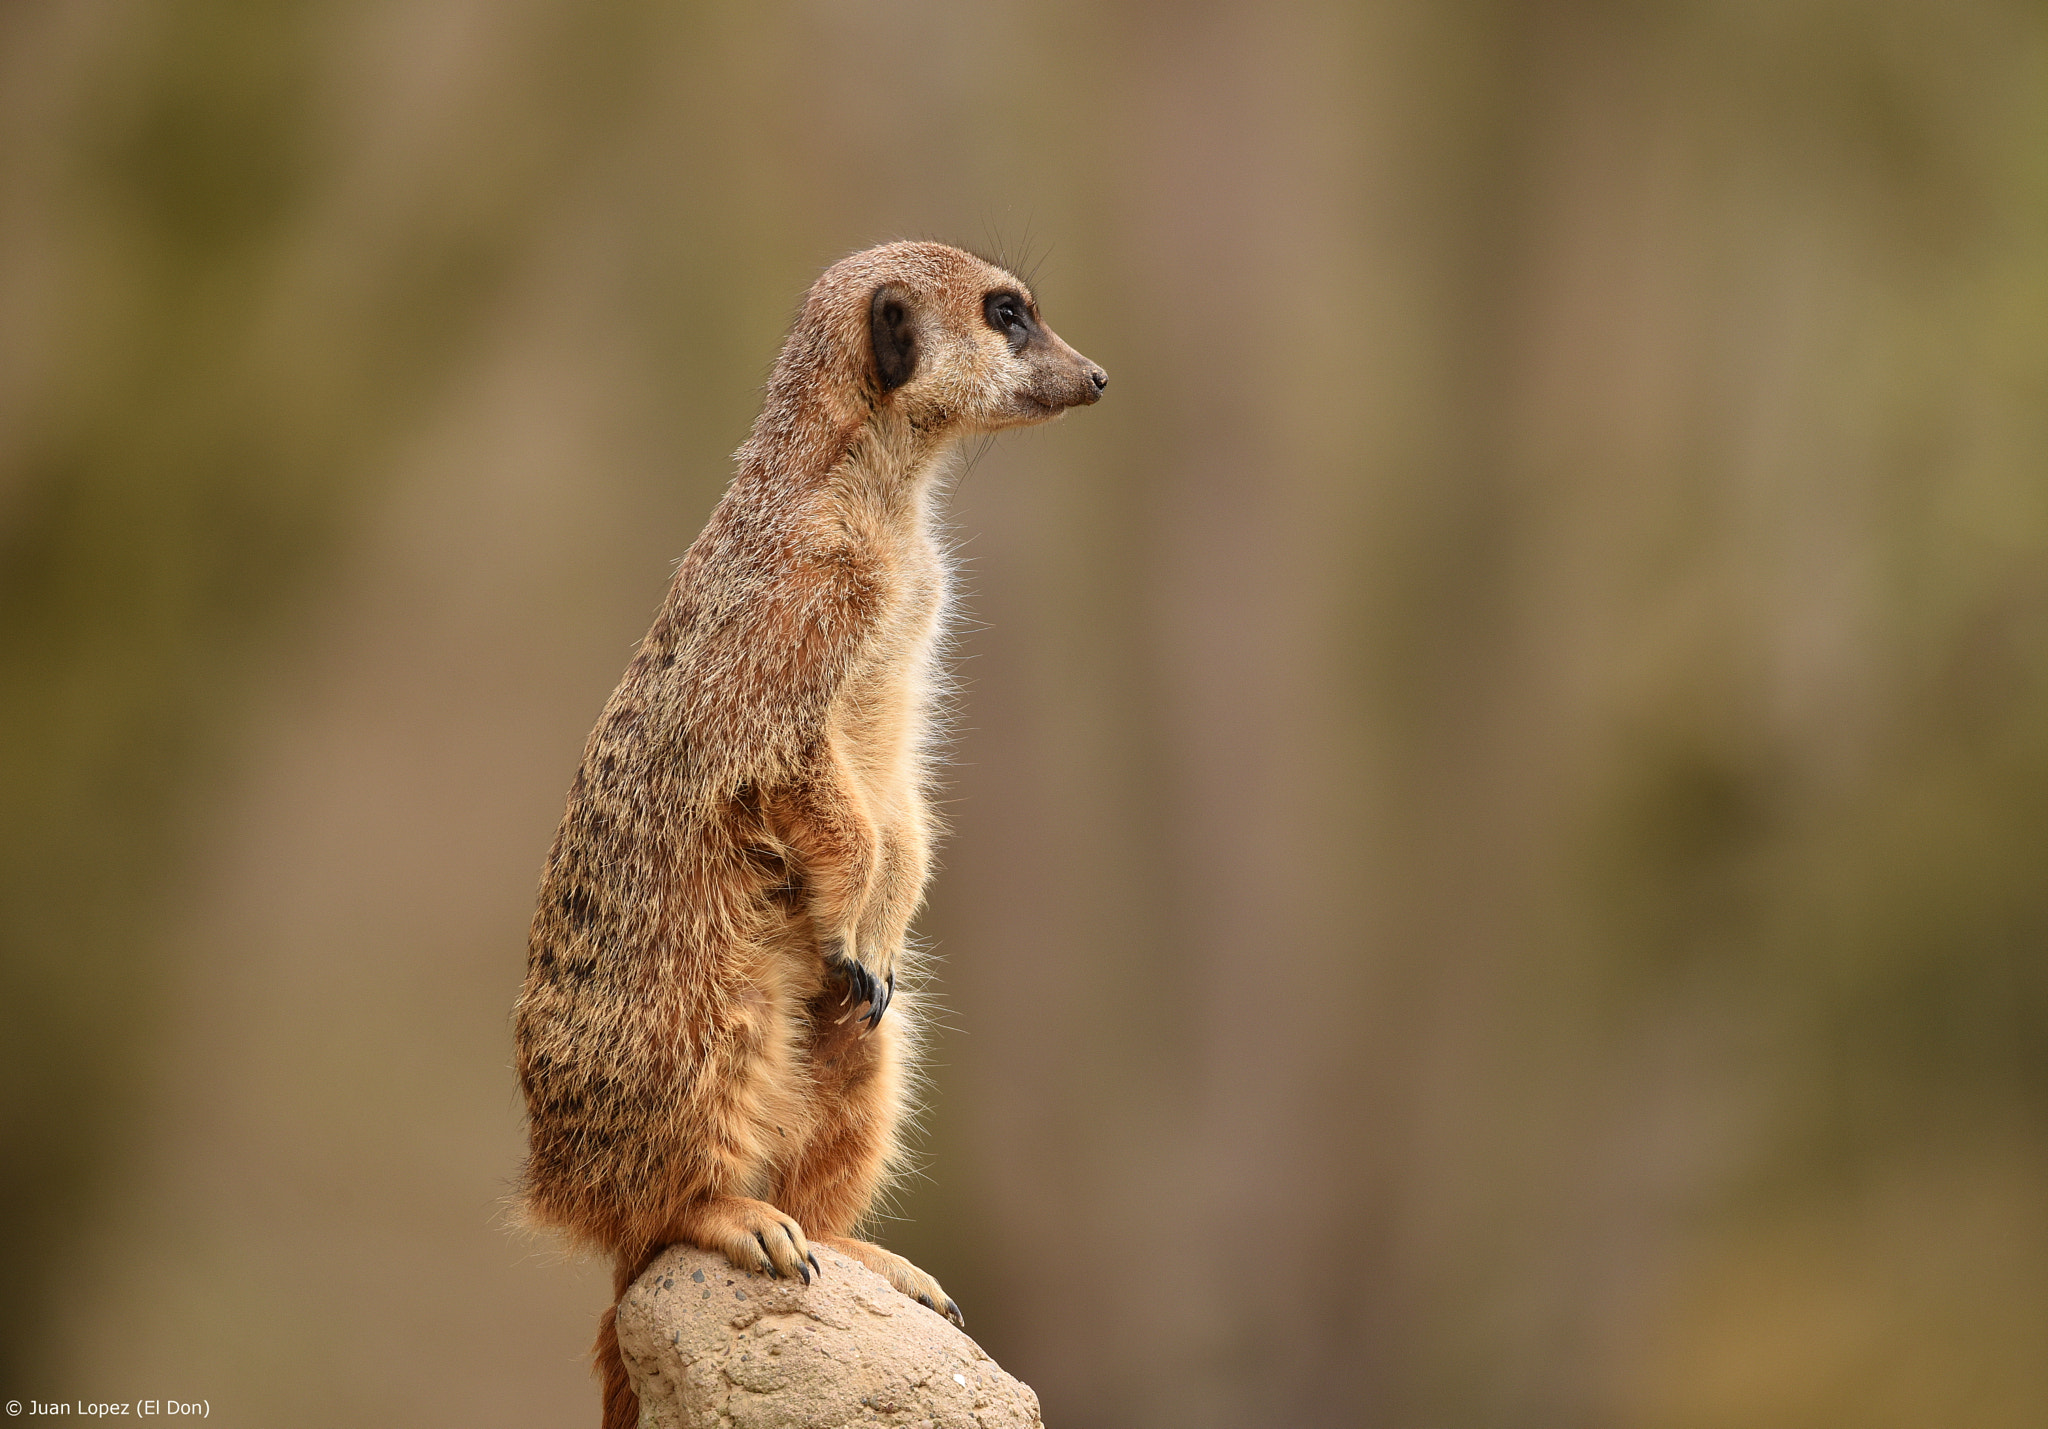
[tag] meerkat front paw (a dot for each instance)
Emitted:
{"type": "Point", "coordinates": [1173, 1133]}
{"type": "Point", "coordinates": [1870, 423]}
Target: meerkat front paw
{"type": "Point", "coordinates": [862, 986]}
{"type": "Point", "coordinates": [898, 1272]}
{"type": "Point", "coordinates": [753, 1235]}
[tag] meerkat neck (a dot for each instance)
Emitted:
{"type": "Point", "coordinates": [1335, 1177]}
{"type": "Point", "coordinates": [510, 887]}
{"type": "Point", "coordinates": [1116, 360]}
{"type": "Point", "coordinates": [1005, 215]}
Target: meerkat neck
{"type": "Point", "coordinates": [893, 461]}
{"type": "Point", "coordinates": [875, 456]}
{"type": "Point", "coordinates": [884, 474]}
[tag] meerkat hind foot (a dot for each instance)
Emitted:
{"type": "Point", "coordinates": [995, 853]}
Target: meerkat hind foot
{"type": "Point", "coordinates": [899, 1273]}
{"type": "Point", "coordinates": [753, 1235]}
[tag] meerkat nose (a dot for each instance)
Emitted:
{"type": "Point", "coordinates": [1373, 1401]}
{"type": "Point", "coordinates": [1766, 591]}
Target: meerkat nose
{"type": "Point", "coordinates": [1098, 379]}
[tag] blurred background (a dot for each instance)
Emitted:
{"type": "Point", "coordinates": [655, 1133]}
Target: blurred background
{"type": "Point", "coordinates": [1500, 871]}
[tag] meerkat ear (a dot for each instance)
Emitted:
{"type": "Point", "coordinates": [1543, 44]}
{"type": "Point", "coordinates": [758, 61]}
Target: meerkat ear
{"type": "Point", "coordinates": [894, 336]}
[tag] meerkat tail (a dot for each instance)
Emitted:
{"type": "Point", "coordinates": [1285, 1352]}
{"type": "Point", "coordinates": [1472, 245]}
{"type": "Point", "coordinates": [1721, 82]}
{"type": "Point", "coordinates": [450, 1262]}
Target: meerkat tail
{"type": "Point", "coordinates": [621, 1404]}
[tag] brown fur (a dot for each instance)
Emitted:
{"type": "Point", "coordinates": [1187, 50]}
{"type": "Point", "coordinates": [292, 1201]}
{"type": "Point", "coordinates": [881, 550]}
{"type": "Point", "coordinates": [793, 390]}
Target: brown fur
{"type": "Point", "coordinates": [748, 837]}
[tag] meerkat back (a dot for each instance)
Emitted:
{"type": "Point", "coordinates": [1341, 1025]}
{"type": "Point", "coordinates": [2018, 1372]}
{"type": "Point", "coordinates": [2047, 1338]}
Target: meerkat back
{"type": "Point", "coordinates": [706, 1039]}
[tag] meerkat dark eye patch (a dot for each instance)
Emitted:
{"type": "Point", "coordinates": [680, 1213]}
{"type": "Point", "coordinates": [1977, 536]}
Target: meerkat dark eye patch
{"type": "Point", "coordinates": [1010, 315]}
{"type": "Point", "coordinates": [894, 336]}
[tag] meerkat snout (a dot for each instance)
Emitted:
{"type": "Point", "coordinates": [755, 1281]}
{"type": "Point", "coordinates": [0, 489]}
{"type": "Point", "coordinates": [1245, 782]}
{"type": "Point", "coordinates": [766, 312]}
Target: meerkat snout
{"type": "Point", "coordinates": [1057, 376]}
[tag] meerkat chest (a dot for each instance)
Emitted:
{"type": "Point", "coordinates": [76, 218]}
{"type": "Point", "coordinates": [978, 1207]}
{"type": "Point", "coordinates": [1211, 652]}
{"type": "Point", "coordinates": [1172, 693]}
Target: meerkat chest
{"type": "Point", "coordinates": [882, 721]}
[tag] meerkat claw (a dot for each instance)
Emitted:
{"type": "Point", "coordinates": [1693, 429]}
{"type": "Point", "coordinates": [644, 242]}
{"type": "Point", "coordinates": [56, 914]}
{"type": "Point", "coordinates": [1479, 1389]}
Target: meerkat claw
{"type": "Point", "coordinates": [880, 1004]}
{"type": "Point", "coordinates": [953, 1314]}
{"type": "Point", "coordinates": [860, 983]}
{"type": "Point", "coordinates": [801, 1268]}
{"type": "Point", "coordinates": [862, 987]}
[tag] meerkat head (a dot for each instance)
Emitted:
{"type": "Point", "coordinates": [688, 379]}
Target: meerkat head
{"type": "Point", "coordinates": [949, 342]}
{"type": "Point", "coordinates": [957, 341]}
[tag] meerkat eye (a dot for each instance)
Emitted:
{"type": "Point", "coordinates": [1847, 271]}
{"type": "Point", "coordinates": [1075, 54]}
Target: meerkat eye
{"type": "Point", "coordinates": [1006, 314]}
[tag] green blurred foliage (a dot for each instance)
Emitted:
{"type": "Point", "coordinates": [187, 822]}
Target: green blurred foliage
{"type": "Point", "coordinates": [149, 526]}
{"type": "Point", "coordinates": [205, 434]}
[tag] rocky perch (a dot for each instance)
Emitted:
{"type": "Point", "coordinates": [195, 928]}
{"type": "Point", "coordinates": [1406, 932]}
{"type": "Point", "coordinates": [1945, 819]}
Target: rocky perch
{"type": "Point", "coordinates": [711, 1347]}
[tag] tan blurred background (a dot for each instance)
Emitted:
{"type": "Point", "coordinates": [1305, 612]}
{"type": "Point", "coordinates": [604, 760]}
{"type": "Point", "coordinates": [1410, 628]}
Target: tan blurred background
{"type": "Point", "coordinates": [1500, 872]}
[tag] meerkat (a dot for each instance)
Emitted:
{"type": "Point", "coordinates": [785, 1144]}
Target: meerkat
{"type": "Point", "coordinates": [706, 1037]}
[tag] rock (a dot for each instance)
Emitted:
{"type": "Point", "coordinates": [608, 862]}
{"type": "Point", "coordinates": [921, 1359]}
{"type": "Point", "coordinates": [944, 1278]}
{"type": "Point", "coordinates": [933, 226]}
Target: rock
{"type": "Point", "coordinates": [711, 1347]}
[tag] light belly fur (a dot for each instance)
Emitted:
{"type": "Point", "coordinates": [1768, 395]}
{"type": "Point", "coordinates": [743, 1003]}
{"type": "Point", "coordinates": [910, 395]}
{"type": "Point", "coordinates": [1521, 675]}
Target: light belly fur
{"type": "Point", "coordinates": [883, 722]}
